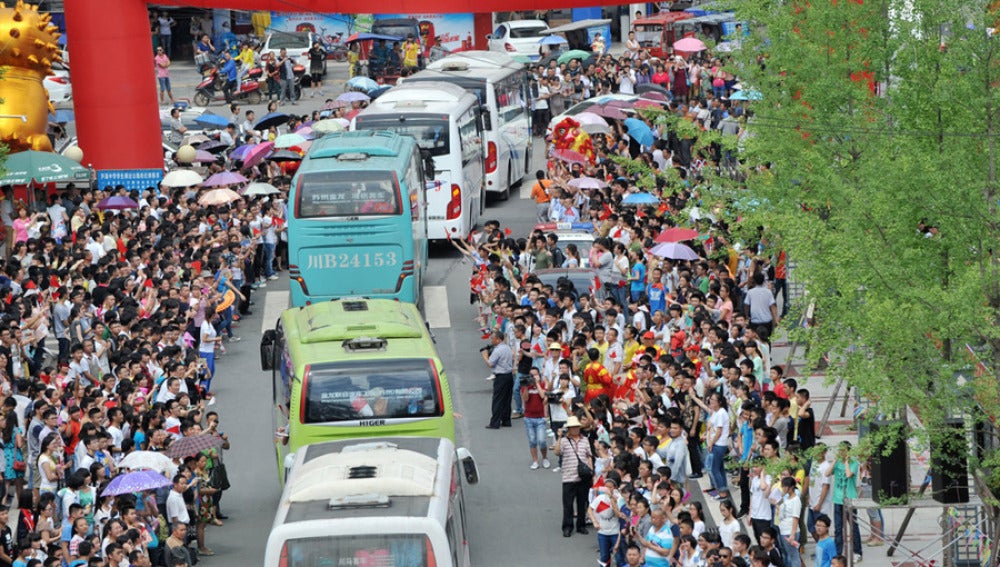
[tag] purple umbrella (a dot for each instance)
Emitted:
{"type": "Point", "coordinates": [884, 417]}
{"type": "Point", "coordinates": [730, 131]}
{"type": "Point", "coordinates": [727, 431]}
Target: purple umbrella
{"type": "Point", "coordinates": [117, 204]}
{"type": "Point", "coordinates": [609, 112]}
{"type": "Point", "coordinates": [136, 482]}
{"type": "Point", "coordinates": [257, 154]}
{"type": "Point", "coordinates": [240, 152]}
{"type": "Point", "coordinates": [353, 96]}
{"type": "Point", "coordinates": [224, 178]}
{"type": "Point", "coordinates": [674, 251]}
{"type": "Point", "coordinates": [201, 156]}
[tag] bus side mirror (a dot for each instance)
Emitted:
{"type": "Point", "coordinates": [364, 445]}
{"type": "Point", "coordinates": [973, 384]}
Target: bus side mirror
{"type": "Point", "coordinates": [267, 350]}
{"type": "Point", "coordinates": [469, 467]}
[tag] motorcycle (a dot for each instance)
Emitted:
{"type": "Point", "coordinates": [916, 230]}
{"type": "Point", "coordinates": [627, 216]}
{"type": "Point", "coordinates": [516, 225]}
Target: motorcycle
{"type": "Point", "coordinates": [210, 87]}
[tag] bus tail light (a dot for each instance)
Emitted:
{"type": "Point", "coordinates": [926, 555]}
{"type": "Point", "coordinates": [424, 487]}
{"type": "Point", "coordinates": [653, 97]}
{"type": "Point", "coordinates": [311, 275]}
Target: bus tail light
{"type": "Point", "coordinates": [295, 274]}
{"type": "Point", "coordinates": [455, 204]}
{"type": "Point", "coordinates": [304, 399]}
{"type": "Point", "coordinates": [406, 272]}
{"type": "Point", "coordinates": [491, 157]}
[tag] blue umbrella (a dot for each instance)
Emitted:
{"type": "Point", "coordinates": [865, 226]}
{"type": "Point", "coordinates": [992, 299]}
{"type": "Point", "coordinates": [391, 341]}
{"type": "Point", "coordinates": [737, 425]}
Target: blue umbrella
{"type": "Point", "coordinates": [747, 95]}
{"type": "Point", "coordinates": [639, 131]}
{"type": "Point", "coordinates": [552, 40]}
{"type": "Point", "coordinates": [241, 152]}
{"type": "Point", "coordinates": [271, 119]}
{"type": "Point", "coordinates": [136, 482]}
{"type": "Point", "coordinates": [362, 83]}
{"type": "Point", "coordinates": [640, 199]}
{"type": "Point", "coordinates": [211, 119]}
{"type": "Point", "coordinates": [379, 91]}
{"type": "Point", "coordinates": [62, 116]}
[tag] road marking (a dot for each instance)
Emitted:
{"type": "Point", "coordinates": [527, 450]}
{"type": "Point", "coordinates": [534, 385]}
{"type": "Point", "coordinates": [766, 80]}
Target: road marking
{"type": "Point", "coordinates": [275, 302]}
{"type": "Point", "coordinates": [436, 306]}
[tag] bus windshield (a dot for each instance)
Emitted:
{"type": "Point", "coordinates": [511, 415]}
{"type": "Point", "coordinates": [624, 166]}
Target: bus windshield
{"type": "Point", "coordinates": [347, 194]}
{"type": "Point", "coordinates": [430, 132]}
{"type": "Point", "coordinates": [412, 550]}
{"type": "Point", "coordinates": [388, 389]}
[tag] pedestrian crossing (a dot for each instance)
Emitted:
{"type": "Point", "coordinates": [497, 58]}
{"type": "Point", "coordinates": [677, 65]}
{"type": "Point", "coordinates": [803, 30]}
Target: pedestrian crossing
{"type": "Point", "coordinates": [436, 310]}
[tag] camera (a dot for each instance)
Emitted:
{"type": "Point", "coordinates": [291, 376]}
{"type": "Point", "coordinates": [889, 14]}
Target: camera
{"type": "Point", "coordinates": [487, 349]}
{"type": "Point", "coordinates": [554, 397]}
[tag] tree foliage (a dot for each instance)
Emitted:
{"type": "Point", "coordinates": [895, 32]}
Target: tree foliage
{"type": "Point", "coordinates": [847, 175]}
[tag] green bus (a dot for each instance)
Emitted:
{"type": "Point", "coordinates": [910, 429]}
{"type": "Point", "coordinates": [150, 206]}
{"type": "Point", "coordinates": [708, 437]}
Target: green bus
{"type": "Point", "coordinates": [351, 368]}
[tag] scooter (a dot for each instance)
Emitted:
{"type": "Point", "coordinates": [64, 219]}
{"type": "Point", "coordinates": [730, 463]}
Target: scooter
{"type": "Point", "coordinates": [210, 87]}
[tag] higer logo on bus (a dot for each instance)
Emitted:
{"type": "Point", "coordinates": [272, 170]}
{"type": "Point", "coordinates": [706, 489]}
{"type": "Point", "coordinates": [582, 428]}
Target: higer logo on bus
{"type": "Point", "coordinates": [455, 204]}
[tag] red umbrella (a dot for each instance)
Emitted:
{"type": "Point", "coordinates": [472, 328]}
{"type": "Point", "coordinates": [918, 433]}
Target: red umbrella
{"type": "Point", "coordinates": [187, 446]}
{"type": "Point", "coordinates": [677, 234]}
{"type": "Point", "coordinates": [609, 112]}
{"type": "Point", "coordinates": [570, 156]}
{"type": "Point", "coordinates": [653, 95]}
{"type": "Point", "coordinates": [643, 103]}
{"type": "Point", "coordinates": [257, 154]}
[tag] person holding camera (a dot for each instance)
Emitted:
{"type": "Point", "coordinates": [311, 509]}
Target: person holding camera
{"type": "Point", "coordinates": [500, 359]}
{"type": "Point", "coordinates": [535, 412]}
{"type": "Point", "coordinates": [577, 474]}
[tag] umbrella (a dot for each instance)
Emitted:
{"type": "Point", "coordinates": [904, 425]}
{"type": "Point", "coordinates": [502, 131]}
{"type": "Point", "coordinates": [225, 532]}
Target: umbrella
{"type": "Point", "coordinates": [224, 178]}
{"type": "Point", "coordinates": [212, 119]}
{"type": "Point", "coordinates": [117, 204]}
{"type": "Point", "coordinates": [240, 152]}
{"type": "Point", "coordinates": [651, 88]}
{"type": "Point", "coordinates": [609, 112]}
{"type": "Point", "coordinates": [201, 156]}
{"type": "Point", "coordinates": [41, 167]}
{"type": "Point", "coordinates": [646, 103]}
{"type": "Point", "coordinates": [363, 36]}
{"type": "Point", "coordinates": [288, 140]}
{"type": "Point", "coordinates": [590, 118]}
{"type": "Point", "coordinates": [573, 54]}
{"type": "Point", "coordinates": [306, 132]}
{"type": "Point", "coordinates": [586, 183]}
{"type": "Point", "coordinates": [689, 44]}
{"type": "Point", "coordinates": [181, 178]}
{"type": "Point", "coordinates": [137, 481]}
{"type": "Point", "coordinates": [334, 105]}
{"type": "Point", "coordinates": [677, 234]}
{"type": "Point", "coordinates": [152, 460]}
{"type": "Point", "coordinates": [187, 446]}
{"type": "Point", "coordinates": [639, 131]}
{"type": "Point", "coordinates": [218, 197]}
{"type": "Point", "coordinates": [362, 84]}
{"type": "Point", "coordinates": [62, 115]}
{"type": "Point", "coordinates": [747, 95]}
{"type": "Point", "coordinates": [285, 155]}
{"type": "Point", "coordinates": [213, 146]}
{"type": "Point", "coordinates": [195, 140]}
{"type": "Point", "coordinates": [271, 119]}
{"type": "Point", "coordinates": [375, 93]}
{"type": "Point", "coordinates": [552, 39]}
{"type": "Point", "coordinates": [596, 128]}
{"type": "Point", "coordinates": [261, 189]}
{"type": "Point", "coordinates": [640, 199]}
{"type": "Point", "coordinates": [570, 156]}
{"type": "Point", "coordinates": [257, 154]}
{"type": "Point", "coordinates": [327, 126]}
{"type": "Point", "coordinates": [674, 251]}
{"type": "Point", "coordinates": [653, 95]}
{"type": "Point", "coordinates": [343, 122]}
{"type": "Point", "coordinates": [353, 96]}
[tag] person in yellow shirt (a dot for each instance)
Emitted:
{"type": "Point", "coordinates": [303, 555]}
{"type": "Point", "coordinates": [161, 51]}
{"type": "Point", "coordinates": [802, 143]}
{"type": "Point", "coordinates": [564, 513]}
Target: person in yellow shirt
{"type": "Point", "coordinates": [245, 60]}
{"type": "Point", "coordinates": [411, 52]}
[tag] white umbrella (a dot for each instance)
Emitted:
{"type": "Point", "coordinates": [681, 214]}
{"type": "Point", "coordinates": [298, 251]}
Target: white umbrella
{"type": "Point", "coordinates": [327, 126]}
{"type": "Point", "coordinates": [181, 178]}
{"type": "Point", "coordinates": [217, 197]}
{"type": "Point", "coordinates": [261, 189]}
{"type": "Point", "coordinates": [151, 460]}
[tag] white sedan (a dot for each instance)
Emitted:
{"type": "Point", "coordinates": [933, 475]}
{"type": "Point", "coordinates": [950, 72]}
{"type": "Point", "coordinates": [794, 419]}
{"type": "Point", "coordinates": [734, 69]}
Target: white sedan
{"type": "Point", "coordinates": [518, 37]}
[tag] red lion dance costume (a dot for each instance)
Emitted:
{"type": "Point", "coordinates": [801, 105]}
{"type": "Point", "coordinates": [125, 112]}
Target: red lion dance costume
{"type": "Point", "coordinates": [567, 135]}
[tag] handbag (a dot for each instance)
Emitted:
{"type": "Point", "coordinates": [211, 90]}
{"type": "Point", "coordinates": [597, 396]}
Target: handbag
{"type": "Point", "coordinates": [582, 469]}
{"type": "Point", "coordinates": [19, 464]}
{"type": "Point", "coordinates": [219, 477]}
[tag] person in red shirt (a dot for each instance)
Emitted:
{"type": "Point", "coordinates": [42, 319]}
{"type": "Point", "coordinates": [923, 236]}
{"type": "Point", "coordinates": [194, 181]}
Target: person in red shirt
{"type": "Point", "coordinates": [533, 390]}
{"type": "Point", "coordinates": [73, 428]}
{"type": "Point", "coordinates": [596, 377]}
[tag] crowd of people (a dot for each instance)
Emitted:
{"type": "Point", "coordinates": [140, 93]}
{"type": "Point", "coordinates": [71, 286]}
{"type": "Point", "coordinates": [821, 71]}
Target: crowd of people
{"type": "Point", "coordinates": [661, 371]}
{"type": "Point", "coordinates": [112, 327]}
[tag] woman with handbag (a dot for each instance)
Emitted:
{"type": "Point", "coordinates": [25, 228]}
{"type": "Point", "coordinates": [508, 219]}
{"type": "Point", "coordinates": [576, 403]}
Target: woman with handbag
{"type": "Point", "coordinates": [577, 474]}
{"type": "Point", "coordinates": [12, 439]}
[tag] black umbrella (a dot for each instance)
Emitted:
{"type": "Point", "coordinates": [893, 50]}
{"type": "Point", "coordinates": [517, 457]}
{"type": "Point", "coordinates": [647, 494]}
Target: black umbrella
{"type": "Point", "coordinates": [651, 87]}
{"type": "Point", "coordinates": [213, 147]}
{"type": "Point", "coordinates": [284, 155]}
{"type": "Point", "coordinates": [271, 119]}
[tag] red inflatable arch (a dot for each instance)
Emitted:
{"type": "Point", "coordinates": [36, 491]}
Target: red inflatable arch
{"type": "Point", "coordinates": [114, 87]}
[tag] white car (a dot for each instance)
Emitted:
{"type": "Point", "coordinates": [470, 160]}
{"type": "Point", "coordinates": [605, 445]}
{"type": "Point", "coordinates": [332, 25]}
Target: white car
{"type": "Point", "coordinates": [518, 37]}
{"type": "Point", "coordinates": [59, 86]}
{"type": "Point", "coordinates": [297, 44]}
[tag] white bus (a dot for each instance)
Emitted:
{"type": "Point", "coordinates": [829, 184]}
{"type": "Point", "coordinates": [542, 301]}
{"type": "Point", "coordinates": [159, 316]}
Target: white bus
{"type": "Point", "coordinates": [392, 501]}
{"type": "Point", "coordinates": [445, 120]}
{"type": "Point", "coordinates": [501, 83]}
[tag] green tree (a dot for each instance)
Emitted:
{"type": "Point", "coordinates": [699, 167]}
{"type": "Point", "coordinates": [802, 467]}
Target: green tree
{"type": "Point", "coordinates": [849, 180]}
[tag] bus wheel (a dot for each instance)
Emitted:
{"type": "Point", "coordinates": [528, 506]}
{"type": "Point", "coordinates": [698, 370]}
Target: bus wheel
{"type": "Point", "coordinates": [506, 191]}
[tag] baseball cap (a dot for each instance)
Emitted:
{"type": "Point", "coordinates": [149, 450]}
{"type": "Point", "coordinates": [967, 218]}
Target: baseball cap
{"type": "Point", "coordinates": [649, 335]}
